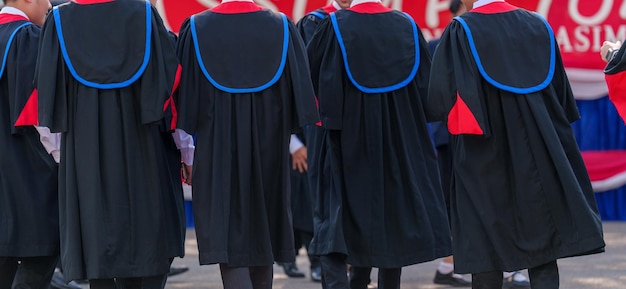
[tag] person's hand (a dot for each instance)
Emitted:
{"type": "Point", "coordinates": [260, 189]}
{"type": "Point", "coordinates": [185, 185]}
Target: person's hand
{"type": "Point", "coordinates": [608, 45]}
{"type": "Point", "coordinates": [299, 160]}
{"type": "Point", "coordinates": [187, 170]}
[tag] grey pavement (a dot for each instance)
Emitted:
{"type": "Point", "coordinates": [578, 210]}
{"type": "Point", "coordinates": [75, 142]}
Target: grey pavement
{"type": "Point", "coordinates": [600, 271]}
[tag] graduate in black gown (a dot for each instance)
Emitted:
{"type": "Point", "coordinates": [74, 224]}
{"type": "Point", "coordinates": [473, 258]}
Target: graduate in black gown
{"type": "Point", "coordinates": [104, 83]}
{"type": "Point", "coordinates": [379, 201]}
{"type": "Point", "coordinates": [178, 151]}
{"type": "Point", "coordinates": [311, 138]}
{"type": "Point", "coordinates": [243, 96]}
{"type": "Point", "coordinates": [29, 224]}
{"type": "Point", "coordinates": [521, 196]}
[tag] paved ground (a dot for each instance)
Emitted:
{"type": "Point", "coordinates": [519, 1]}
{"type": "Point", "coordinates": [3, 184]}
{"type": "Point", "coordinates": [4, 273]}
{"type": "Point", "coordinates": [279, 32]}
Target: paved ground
{"type": "Point", "coordinates": [601, 271]}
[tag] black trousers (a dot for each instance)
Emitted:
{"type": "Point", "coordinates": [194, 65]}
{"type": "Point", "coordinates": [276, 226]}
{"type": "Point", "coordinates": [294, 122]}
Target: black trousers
{"type": "Point", "coordinates": [388, 278]}
{"type": "Point", "coordinates": [259, 277]}
{"type": "Point", "coordinates": [334, 274]}
{"type": "Point", "coordinates": [27, 272]}
{"type": "Point", "coordinates": [303, 238]}
{"type": "Point", "coordinates": [545, 276]}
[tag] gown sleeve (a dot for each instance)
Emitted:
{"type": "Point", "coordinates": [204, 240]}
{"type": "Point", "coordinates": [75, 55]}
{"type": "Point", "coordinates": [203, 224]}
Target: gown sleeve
{"type": "Point", "coordinates": [20, 71]}
{"type": "Point", "coordinates": [327, 68]}
{"type": "Point", "coordinates": [302, 88]}
{"type": "Point", "coordinates": [563, 89]}
{"type": "Point", "coordinates": [50, 80]}
{"type": "Point", "coordinates": [160, 78]}
{"type": "Point", "coordinates": [454, 94]}
{"type": "Point", "coordinates": [306, 27]}
{"type": "Point", "coordinates": [423, 73]}
{"type": "Point", "coordinates": [186, 97]}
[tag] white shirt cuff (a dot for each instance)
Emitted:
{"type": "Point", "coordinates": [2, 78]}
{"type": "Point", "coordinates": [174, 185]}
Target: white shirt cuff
{"type": "Point", "coordinates": [184, 142]}
{"type": "Point", "coordinates": [187, 155]}
{"type": "Point", "coordinates": [294, 144]}
{"type": "Point", "coordinates": [50, 141]}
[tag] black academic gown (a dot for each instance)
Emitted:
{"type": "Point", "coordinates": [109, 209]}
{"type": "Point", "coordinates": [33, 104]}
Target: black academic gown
{"type": "Point", "coordinates": [303, 197]}
{"type": "Point", "coordinates": [105, 88]}
{"type": "Point", "coordinates": [251, 90]}
{"type": "Point", "coordinates": [379, 199]}
{"type": "Point", "coordinates": [177, 219]}
{"type": "Point", "coordinates": [521, 196]}
{"type": "Point", "coordinates": [308, 24]}
{"type": "Point", "coordinates": [29, 218]}
{"type": "Point", "coordinates": [302, 184]}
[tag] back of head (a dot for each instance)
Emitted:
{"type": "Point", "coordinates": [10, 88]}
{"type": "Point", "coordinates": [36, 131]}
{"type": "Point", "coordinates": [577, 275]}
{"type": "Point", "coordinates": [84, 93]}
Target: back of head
{"type": "Point", "coordinates": [36, 10]}
{"type": "Point", "coordinates": [457, 7]}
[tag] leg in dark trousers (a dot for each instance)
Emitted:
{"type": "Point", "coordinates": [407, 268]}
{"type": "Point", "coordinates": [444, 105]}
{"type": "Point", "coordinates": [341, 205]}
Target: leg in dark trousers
{"type": "Point", "coordinates": [102, 284]}
{"type": "Point", "coordinates": [389, 278]}
{"type": "Point", "coordinates": [235, 277]}
{"type": "Point", "coordinates": [545, 276]}
{"type": "Point", "coordinates": [246, 277]}
{"type": "Point", "coordinates": [314, 260]}
{"type": "Point", "coordinates": [262, 277]}
{"type": "Point", "coordinates": [153, 282]}
{"type": "Point", "coordinates": [35, 272]}
{"type": "Point", "coordinates": [334, 271]}
{"type": "Point", "coordinates": [487, 280]}
{"type": "Point", "coordinates": [8, 267]}
{"type": "Point", "coordinates": [360, 277]}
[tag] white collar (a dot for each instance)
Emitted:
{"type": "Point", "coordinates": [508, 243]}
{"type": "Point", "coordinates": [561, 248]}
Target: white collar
{"type": "Point", "coordinates": [226, 1]}
{"type": "Point", "coordinates": [357, 2]}
{"type": "Point", "coordinates": [336, 5]}
{"type": "Point", "coordinates": [13, 10]}
{"type": "Point", "coordinates": [484, 2]}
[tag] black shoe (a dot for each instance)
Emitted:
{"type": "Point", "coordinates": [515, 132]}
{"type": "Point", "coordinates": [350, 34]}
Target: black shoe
{"type": "Point", "coordinates": [316, 274]}
{"type": "Point", "coordinates": [177, 270]}
{"type": "Point", "coordinates": [450, 279]}
{"type": "Point", "coordinates": [511, 283]}
{"type": "Point", "coordinates": [292, 271]}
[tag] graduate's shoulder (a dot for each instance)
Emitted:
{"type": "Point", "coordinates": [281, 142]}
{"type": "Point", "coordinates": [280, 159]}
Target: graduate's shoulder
{"type": "Point", "coordinates": [497, 22]}
{"type": "Point", "coordinates": [357, 16]}
{"type": "Point", "coordinates": [313, 18]}
{"type": "Point", "coordinates": [17, 37]}
{"type": "Point", "coordinates": [395, 23]}
{"type": "Point", "coordinates": [27, 29]}
{"type": "Point", "coordinates": [184, 27]}
{"type": "Point", "coordinates": [70, 8]}
{"type": "Point", "coordinates": [21, 35]}
{"type": "Point", "coordinates": [210, 15]}
{"type": "Point", "coordinates": [225, 24]}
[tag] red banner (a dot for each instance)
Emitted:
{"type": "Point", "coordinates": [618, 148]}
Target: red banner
{"type": "Point", "coordinates": [579, 25]}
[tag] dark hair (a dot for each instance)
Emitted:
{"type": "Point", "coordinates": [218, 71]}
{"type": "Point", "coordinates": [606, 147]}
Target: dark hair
{"type": "Point", "coordinates": [455, 6]}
